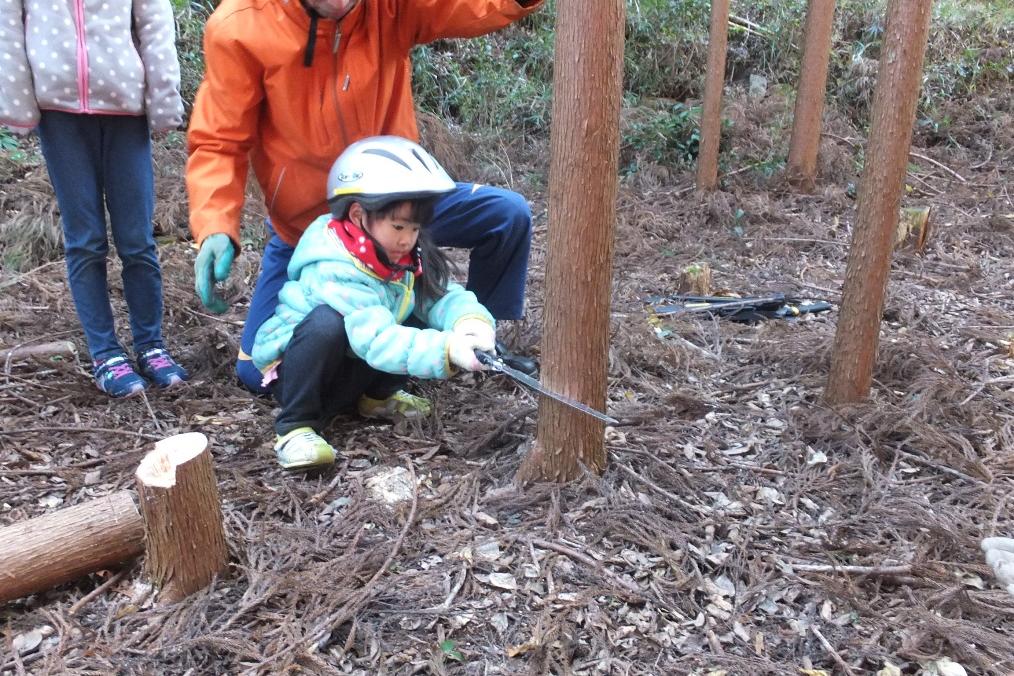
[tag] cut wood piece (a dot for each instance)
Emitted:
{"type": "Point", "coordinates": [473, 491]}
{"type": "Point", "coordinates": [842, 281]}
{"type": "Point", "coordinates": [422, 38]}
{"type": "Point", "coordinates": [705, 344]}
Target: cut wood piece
{"type": "Point", "coordinates": [913, 228]}
{"type": "Point", "coordinates": [49, 550]}
{"type": "Point", "coordinates": [182, 516]}
{"type": "Point", "coordinates": [43, 350]}
{"type": "Point", "coordinates": [695, 280]}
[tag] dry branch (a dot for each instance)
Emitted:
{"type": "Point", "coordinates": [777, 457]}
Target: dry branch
{"type": "Point", "coordinates": [49, 550]}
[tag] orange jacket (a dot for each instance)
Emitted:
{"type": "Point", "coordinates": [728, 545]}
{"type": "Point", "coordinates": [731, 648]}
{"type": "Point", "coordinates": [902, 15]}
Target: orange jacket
{"type": "Point", "coordinates": [259, 101]}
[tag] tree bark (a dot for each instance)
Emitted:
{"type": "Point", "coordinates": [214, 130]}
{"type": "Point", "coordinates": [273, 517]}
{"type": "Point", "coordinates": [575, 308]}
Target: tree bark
{"type": "Point", "coordinates": [182, 516]}
{"type": "Point", "coordinates": [711, 109]}
{"type": "Point", "coordinates": [894, 105]}
{"type": "Point", "coordinates": [49, 550]}
{"type": "Point", "coordinates": [809, 111]}
{"type": "Point", "coordinates": [587, 91]}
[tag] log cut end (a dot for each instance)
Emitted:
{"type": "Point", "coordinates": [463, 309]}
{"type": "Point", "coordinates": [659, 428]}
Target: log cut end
{"type": "Point", "coordinates": [158, 468]}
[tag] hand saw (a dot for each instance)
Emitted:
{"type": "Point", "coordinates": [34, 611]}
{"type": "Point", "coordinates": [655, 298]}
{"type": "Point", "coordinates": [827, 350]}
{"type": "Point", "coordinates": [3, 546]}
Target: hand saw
{"type": "Point", "coordinates": [496, 364]}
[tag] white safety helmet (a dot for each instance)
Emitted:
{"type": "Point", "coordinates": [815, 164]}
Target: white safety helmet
{"type": "Point", "coordinates": [380, 170]}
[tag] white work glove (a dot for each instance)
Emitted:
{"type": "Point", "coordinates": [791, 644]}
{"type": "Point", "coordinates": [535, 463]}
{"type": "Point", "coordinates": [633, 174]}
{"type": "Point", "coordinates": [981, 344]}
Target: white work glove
{"type": "Point", "coordinates": [1000, 555]}
{"type": "Point", "coordinates": [462, 354]}
{"type": "Point", "coordinates": [483, 335]}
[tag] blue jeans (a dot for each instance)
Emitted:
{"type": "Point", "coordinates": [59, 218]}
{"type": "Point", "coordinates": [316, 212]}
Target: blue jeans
{"type": "Point", "coordinates": [496, 224]}
{"type": "Point", "coordinates": [98, 163]}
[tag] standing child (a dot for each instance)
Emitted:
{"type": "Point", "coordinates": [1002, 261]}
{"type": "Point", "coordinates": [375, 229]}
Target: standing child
{"type": "Point", "coordinates": [367, 303]}
{"type": "Point", "coordinates": [93, 76]}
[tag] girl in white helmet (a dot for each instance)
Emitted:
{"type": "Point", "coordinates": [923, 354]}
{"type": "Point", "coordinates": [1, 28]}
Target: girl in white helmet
{"type": "Point", "coordinates": [367, 304]}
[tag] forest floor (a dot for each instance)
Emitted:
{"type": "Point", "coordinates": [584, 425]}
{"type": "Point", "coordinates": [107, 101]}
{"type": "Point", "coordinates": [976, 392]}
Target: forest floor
{"type": "Point", "coordinates": [741, 526]}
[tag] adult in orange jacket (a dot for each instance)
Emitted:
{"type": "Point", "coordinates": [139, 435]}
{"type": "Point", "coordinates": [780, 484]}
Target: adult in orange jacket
{"type": "Point", "coordinates": [289, 84]}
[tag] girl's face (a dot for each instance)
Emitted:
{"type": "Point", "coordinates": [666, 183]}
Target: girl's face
{"type": "Point", "coordinates": [396, 233]}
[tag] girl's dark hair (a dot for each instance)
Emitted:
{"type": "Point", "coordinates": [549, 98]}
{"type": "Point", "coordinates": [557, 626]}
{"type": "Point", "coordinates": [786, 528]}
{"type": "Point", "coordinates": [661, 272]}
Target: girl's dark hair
{"type": "Point", "coordinates": [436, 267]}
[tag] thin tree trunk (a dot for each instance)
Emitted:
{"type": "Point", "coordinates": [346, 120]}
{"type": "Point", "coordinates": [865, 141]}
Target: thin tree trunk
{"type": "Point", "coordinates": [711, 109]}
{"type": "Point", "coordinates": [587, 89]}
{"type": "Point", "coordinates": [49, 550]}
{"type": "Point", "coordinates": [182, 516]}
{"type": "Point", "coordinates": [809, 111]}
{"type": "Point", "coordinates": [880, 192]}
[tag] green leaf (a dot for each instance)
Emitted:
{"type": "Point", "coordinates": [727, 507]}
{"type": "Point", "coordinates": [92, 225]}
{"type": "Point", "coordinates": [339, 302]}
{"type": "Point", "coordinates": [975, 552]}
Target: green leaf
{"type": "Point", "coordinates": [451, 652]}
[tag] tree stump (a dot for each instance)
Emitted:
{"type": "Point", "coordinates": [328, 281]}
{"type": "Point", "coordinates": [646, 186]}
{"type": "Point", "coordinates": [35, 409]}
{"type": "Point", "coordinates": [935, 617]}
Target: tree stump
{"type": "Point", "coordinates": [913, 228]}
{"type": "Point", "coordinates": [183, 534]}
{"type": "Point", "coordinates": [49, 550]}
{"type": "Point", "coordinates": [695, 280]}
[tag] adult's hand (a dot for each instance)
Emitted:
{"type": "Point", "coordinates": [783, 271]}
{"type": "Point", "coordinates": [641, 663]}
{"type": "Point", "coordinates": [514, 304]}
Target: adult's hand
{"type": "Point", "coordinates": [214, 261]}
{"type": "Point", "coordinates": [481, 333]}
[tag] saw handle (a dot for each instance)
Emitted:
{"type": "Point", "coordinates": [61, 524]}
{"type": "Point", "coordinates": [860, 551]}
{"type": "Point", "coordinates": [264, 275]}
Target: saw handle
{"type": "Point", "coordinates": [486, 358]}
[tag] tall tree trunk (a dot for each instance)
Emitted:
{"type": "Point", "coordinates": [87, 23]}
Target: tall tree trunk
{"type": "Point", "coordinates": [182, 516]}
{"type": "Point", "coordinates": [587, 90]}
{"type": "Point", "coordinates": [49, 550]}
{"type": "Point", "coordinates": [869, 261]}
{"type": "Point", "coordinates": [809, 111]}
{"type": "Point", "coordinates": [711, 110]}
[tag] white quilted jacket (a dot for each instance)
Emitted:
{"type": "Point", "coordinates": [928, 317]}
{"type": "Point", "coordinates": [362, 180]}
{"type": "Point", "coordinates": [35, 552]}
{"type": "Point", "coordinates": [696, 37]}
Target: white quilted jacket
{"type": "Point", "coordinates": [89, 56]}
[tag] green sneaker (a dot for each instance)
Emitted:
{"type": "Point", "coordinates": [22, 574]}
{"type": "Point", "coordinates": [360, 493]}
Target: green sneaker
{"type": "Point", "coordinates": [302, 448]}
{"type": "Point", "coordinates": [401, 404]}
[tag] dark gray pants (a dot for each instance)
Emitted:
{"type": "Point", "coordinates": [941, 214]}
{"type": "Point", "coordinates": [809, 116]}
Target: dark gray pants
{"type": "Point", "coordinates": [318, 377]}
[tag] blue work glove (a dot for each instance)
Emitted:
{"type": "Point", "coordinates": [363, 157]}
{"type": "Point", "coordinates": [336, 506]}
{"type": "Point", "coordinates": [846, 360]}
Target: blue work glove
{"type": "Point", "coordinates": [213, 263]}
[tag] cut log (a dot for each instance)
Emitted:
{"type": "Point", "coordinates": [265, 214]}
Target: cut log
{"type": "Point", "coordinates": [695, 279]}
{"type": "Point", "coordinates": [41, 350]}
{"type": "Point", "coordinates": [182, 516]}
{"type": "Point", "coordinates": [62, 546]}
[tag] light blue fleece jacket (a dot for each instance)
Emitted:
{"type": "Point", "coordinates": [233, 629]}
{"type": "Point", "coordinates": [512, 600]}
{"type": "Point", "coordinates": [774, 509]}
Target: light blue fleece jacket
{"type": "Point", "coordinates": [323, 272]}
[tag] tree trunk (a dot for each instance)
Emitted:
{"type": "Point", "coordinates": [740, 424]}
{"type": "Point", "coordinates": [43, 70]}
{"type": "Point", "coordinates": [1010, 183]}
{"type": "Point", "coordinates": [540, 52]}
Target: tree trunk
{"type": "Point", "coordinates": [880, 192]}
{"type": "Point", "coordinates": [809, 111]}
{"type": "Point", "coordinates": [587, 89]}
{"type": "Point", "coordinates": [182, 516]}
{"type": "Point", "coordinates": [49, 550]}
{"type": "Point", "coordinates": [711, 109]}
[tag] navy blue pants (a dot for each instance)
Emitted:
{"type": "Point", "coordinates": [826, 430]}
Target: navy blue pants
{"type": "Point", "coordinates": [496, 224]}
{"type": "Point", "coordinates": [98, 163]}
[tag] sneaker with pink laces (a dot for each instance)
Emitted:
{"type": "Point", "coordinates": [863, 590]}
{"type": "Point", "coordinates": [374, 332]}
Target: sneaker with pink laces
{"type": "Point", "coordinates": [156, 365]}
{"type": "Point", "coordinates": [116, 377]}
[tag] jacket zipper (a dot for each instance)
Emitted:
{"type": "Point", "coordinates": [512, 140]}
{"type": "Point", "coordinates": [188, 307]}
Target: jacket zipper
{"type": "Point", "coordinates": [82, 57]}
{"type": "Point", "coordinates": [342, 129]}
{"type": "Point", "coordinates": [403, 310]}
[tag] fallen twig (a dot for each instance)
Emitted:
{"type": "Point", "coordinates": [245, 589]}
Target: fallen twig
{"type": "Point", "coordinates": [672, 496]}
{"type": "Point", "coordinates": [82, 430]}
{"type": "Point", "coordinates": [834, 653]}
{"type": "Point", "coordinates": [90, 596]}
{"type": "Point", "coordinates": [588, 561]}
{"type": "Point", "coordinates": [937, 164]}
{"type": "Point", "coordinates": [903, 569]}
